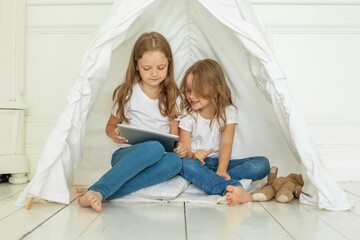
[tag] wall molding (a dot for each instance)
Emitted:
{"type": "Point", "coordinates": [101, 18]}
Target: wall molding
{"type": "Point", "coordinates": [34, 150]}
{"type": "Point", "coordinates": [68, 2]}
{"type": "Point", "coordinates": [41, 121]}
{"type": "Point", "coordinates": [61, 29]}
{"type": "Point", "coordinates": [333, 120]}
{"type": "Point", "coordinates": [271, 30]}
{"type": "Point", "coordinates": [38, 130]}
{"type": "Point", "coordinates": [311, 28]}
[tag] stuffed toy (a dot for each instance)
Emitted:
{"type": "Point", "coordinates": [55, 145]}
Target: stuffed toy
{"type": "Point", "coordinates": [282, 188]}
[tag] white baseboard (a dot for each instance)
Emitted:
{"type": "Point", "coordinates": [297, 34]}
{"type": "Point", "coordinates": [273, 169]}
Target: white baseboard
{"type": "Point", "coordinates": [341, 161]}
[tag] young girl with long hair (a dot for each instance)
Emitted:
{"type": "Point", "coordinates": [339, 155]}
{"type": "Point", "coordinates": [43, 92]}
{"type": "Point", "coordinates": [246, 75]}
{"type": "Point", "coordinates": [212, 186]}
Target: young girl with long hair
{"type": "Point", "coordinates": [207, 131]}
{"type": "Point", "coordinates": [146, 99]}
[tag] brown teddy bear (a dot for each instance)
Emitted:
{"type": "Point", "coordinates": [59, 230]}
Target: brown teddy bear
{"type": "Point", "coordinates": [282, 188]}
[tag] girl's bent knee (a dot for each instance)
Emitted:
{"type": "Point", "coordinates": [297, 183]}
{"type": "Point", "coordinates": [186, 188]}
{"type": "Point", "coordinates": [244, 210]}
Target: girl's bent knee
{"type": "Point", "coordinates": [264, 162]}
{"type": "Point", "coordinates": [263, 165]}
{"type": "Point", "coordinates": [153, 149]}
{"type": "Point", "coordinates": [173, 161]}
{"type": "Point", "coordinates": [154, 146]}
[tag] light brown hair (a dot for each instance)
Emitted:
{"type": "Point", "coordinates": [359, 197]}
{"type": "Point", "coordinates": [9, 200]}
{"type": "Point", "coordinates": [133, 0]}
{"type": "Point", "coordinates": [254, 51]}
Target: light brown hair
{"type": "Point", "coordinates": [169, 92]}
{"type": "Point", "coordinates": [208, 82]}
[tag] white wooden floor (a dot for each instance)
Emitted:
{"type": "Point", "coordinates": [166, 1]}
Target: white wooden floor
{"type": "Point", "coordinates": [269, 220]}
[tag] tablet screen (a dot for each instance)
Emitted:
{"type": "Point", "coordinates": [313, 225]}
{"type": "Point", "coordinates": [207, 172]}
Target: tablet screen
{"type": "Point", "coordinates": [137, 135]}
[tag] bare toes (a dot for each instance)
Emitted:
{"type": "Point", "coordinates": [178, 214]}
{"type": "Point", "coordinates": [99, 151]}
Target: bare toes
{"type": "Point", "coordinates": [79, 192]}
{"type": "Point", "coordinates": [95, 200]}
{"type": "Point", "coordinates": [237, 195]}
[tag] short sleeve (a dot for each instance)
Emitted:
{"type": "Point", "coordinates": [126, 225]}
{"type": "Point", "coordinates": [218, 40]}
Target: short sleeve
{"type": "Point", "coordinates": [187, 123]}
{"type": "Point", "coordinates": [116, 106]}
{"type": "Point", "coordinates": [114, 109]}
{"type": "Point", "coordinates": [231, 115]}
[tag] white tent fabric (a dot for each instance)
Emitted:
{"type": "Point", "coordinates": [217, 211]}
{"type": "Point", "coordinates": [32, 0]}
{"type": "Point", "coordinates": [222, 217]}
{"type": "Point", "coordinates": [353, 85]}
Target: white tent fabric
{"type": "Point", "coordinates": [226, 31]}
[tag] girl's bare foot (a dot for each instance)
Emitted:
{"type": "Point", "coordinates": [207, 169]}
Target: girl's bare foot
{"type": "Point", "coordinates": [237, 195]}
{"type": "Point", "coordinates": [91, 199]}
{"type": "Point", "coordinates": [79, 192]}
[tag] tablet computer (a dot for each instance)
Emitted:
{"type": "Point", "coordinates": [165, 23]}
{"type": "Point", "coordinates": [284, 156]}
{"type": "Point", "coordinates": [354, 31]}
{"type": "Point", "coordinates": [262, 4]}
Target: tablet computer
{"type": "Point", "coordinates": [137, 135]}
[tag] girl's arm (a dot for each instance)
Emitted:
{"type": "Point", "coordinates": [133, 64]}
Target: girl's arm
{"type": "Point", "coordinates": [174, 128]}
{"type": "Point", "coordinates": [180, 149]}
{"type": "Point", "coordinates": [112, 131]}
{"type": "Point", "coordinates": [225, 149]}
{"type": "Point", "coordinates": [185, 138]}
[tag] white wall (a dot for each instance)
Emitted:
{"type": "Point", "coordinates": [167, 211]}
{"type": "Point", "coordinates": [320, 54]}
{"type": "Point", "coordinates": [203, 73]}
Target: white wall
{"type": "Point", "coordinates": [57, 35]}
{"type": "Point", "coordinates": [317, 42]}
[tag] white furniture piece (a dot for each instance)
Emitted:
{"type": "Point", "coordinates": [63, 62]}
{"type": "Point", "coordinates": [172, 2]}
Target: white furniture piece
{"type": "Point", "coordinates": [12, 158]}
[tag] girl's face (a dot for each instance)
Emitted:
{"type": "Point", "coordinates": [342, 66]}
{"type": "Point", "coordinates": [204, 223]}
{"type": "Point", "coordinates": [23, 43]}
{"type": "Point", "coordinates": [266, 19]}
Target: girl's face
{"type": "Point", "coordinates": [197, 102]}
{"type": "Point", "coordinates": [153, 68]}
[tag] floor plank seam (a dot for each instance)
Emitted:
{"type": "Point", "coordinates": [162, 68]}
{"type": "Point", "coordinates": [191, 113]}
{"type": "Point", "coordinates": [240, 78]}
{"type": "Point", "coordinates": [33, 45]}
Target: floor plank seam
{"type": "Point", "coordinates": [326, 223]}
{"type": "Point", "coordinates": [11, 213]}
{"type": "Point", "coordinates": [186, 236]}
{"type": "Point", "coordinates": [85, 223]}
{"type": "Point", "coordinates": [352, 202]}
{"type": "Point", "coordinates": [91, 223]}
{"type": "Point", "coordinates": [352, 193]}
{"type": "Point", "coordinates": [28, 233]}
{"type": "Point", "coordinates": [276, 220]}
{"type": "Point", "coordinates": [2, 199]}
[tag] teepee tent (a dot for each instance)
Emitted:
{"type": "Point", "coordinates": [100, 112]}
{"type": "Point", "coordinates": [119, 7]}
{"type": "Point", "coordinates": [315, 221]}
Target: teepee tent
{"type": "Point", "coordinates": [227, 31]}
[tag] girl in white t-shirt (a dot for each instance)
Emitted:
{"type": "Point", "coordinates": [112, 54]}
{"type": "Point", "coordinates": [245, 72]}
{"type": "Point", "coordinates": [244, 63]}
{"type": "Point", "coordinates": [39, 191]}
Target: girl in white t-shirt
{"type": "Point", "coordinates": [147, 99]}
{"type": "Point", "coordinates": [207, 131]}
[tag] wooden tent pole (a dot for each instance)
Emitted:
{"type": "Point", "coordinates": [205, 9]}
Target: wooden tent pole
{"type": "Point", "coordinates": [29, 202]}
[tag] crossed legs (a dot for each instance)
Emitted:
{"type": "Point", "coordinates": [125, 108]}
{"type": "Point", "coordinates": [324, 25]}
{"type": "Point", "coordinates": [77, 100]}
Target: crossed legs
{"type": "Point", "coordinates": [205, 177]}
{"type": "Point", "coordinates": [142, 166]}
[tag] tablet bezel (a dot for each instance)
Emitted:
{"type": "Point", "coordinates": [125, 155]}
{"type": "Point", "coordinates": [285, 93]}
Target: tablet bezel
{"type": "Point", "coordinates": [137, 135]}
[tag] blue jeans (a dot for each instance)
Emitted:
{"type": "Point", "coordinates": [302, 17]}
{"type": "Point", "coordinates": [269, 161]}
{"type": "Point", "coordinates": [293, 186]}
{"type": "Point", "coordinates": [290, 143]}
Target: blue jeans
{"type": "Point", "coordinates": [135, 167]}
{"type": "Point", "coordinates": [205, 177]}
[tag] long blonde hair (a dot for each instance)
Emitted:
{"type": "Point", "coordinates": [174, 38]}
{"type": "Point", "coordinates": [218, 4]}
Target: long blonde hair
{"type": "Point", "coordinates": [208, 82]}
{"type": "Point", "coordinates": [169, 92]}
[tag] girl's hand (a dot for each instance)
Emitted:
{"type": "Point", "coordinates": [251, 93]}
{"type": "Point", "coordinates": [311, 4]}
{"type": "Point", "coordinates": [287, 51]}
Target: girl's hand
{"type": "Point", "coordinates": [180, 150]}
{"type": "Point", "coordinates": [201, 155]}
{"type": "Point", "coordinates": [223, 174]}
{"type": "Point", "coordinates": [117, 138]}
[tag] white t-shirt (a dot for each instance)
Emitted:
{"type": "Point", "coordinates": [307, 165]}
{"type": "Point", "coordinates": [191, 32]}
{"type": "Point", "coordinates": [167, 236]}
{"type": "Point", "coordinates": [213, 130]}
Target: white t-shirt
{"type": "Point", "coordinates": [144, 112]}
{"type": "Point", "coordinates": [202, 137]}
